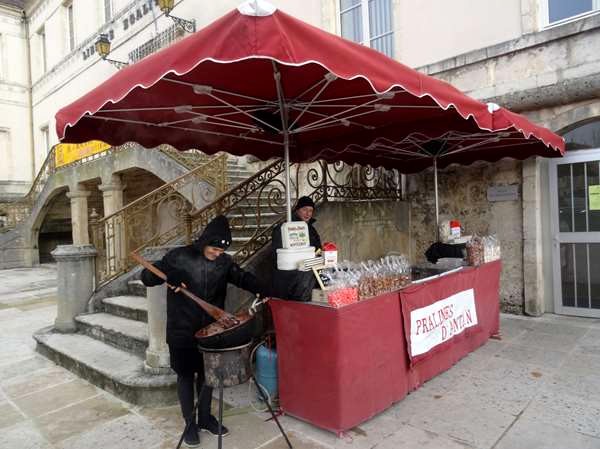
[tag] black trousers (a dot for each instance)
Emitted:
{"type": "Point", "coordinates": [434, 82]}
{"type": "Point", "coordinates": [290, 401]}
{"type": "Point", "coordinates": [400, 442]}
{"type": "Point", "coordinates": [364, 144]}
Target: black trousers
{"type": "Point", "coordinates": [188, 363]}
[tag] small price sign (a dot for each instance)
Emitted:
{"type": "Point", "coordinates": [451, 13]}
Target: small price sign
{"type": "Point", "coordinates": [323, 280]}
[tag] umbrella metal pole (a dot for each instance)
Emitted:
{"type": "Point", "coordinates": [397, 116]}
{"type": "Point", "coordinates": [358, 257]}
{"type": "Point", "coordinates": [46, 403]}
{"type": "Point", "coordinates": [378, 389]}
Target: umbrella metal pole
{"type": "Point", "coordinates": [283, 110]}
{"type": "Point", "coordinates": [286, 156]}
{"type": "Point", "coordinates": [437, 207]}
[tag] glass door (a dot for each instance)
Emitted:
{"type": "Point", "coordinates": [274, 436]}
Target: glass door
{"type": "Point", "coordinates": [575, 201]}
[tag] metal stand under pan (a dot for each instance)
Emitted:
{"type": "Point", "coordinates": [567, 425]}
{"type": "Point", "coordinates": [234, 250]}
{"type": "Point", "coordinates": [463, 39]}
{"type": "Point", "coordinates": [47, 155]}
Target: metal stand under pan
{"type": "Point", "coordinates": [227, 367]}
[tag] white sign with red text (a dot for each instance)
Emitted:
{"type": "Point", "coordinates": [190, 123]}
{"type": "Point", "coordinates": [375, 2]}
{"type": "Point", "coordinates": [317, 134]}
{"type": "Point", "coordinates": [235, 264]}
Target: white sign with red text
{"type": "Point", "coordinates": [439, 322]}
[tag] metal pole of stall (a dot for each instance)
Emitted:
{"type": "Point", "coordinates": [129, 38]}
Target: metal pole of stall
{"type": "Point", "coordinates": [283, 110]}
{"type": "Point", "coordinates": [437, 208]}
{"type": "Point", "coordinates": [286, 155]}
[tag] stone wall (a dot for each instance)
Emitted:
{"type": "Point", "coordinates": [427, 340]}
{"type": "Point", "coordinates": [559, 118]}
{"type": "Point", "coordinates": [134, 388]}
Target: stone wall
{"type": "Point", "coordinates": [557, 66]}
{"type": "Point", "coordinates": [365, 230]}
{"type": "Point", "coordinates": [463, 196]}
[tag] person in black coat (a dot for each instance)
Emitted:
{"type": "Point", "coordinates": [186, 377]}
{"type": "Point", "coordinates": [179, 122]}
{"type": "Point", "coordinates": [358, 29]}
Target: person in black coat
{"type": "Point", "coordinates": [204, 269]}
{"type": "Point", "coordinates": [293, 284]}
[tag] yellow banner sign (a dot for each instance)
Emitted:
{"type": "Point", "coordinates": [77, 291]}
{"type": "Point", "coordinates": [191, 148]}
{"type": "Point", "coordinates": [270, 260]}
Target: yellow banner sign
{"type": "Point", "coordinates": [67, 153]}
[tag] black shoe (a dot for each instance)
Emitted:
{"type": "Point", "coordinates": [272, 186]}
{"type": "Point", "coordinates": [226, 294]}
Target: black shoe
{"type": "Point", "coordinates": [191, 437]}
{"type": "Point", "coordinates": [212, 426]}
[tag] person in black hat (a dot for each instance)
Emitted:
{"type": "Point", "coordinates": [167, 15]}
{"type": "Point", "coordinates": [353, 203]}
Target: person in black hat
{"type": "Point", "coordinates": [204, 269]}
{"type": "Point", "coordinates": [293, 284]}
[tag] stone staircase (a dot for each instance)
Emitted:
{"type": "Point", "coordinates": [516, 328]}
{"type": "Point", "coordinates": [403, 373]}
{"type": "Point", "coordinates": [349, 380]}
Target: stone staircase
{"type": "Point", "coordinates": [109, 347]}
{"type": "Point", "coordinates": [109, 351]}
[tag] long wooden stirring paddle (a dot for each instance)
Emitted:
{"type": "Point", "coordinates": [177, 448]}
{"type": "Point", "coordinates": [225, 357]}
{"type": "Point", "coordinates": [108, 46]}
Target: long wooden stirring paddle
{"type": "Point", "coordinates": [215, 312]}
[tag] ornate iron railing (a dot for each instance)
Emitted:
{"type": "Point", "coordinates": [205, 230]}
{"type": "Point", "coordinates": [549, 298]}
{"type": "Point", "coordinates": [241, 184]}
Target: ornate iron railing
{"type": "Point", "coordinates": [190, 158]}
{"type": "Point", "coordinates": [257, 205]}
{"type": "Point", "coordinates": [160, 216]}
{"type": "Point", "coordinates": [161, 40]}
{"type": "Point", "coordinates": [174, 214]}
{"type": "Point", "coordinates": [15, 212]}
{"type": "Point", "coordinates": [322, 182]}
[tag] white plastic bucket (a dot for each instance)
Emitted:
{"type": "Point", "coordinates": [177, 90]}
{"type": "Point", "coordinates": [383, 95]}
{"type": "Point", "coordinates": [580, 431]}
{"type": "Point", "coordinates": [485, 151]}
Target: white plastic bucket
{"type": "Point", "coordinates": [288, 259]}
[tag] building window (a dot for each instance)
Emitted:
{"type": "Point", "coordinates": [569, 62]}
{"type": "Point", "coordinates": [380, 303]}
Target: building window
{"type": "Point", "coordinates": [583, 136]}
{"type": "Point", "coordinates": [70, 26]}
{"type": "Point", "coordinates": [557, 11]}
{"type": "Point", "coordinates": [42, 46]}
{"type": "Point", "coordinates": [369, 22]}
{"type": "Point", "coordinates": [108, 10]}
{"type": "Point", "coordinates": [45, 135]}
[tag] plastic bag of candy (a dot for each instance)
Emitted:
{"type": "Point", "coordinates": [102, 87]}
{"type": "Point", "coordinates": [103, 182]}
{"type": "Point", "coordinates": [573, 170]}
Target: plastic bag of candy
{"type": "Point", "coordinates": [342, 297]}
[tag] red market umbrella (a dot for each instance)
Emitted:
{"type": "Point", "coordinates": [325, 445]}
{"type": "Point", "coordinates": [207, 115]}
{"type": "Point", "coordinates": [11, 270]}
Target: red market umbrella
{"type": "Point", "coordinates": [258, 81]}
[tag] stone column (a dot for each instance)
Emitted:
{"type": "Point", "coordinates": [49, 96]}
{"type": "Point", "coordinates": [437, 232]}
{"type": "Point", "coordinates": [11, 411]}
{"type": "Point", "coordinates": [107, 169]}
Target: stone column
{"type": "Point", "coordinates": [75, 283]}
{"type": "Point", "coordinates": [112, 195]}
{"type": "Point", "coordinates": [79, 216]}
{"type": "Point", "coordinates": [157, 354]}
{"type": "Point", "coordinates": [533, 288]}
{"type": "Point", "coordinates": [116, 251]}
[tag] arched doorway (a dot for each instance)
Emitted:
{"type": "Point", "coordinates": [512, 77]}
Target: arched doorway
{"type": "Point", "coordinates": [55, 228]}
{"type": "Point", "coordinates": [575, 209]}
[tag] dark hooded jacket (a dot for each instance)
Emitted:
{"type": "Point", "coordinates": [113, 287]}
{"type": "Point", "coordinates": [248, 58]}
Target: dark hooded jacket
{"type": "Point", "coordinates": [293, 284]}
{"type": "Point", "coordinates": [205, 278]}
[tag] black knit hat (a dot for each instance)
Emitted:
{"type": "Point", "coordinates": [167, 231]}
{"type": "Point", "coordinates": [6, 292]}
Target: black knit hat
{"type": "Point", "coordinates": [217, 233]}
{"type": "Point", "coordinates": [304, 201]}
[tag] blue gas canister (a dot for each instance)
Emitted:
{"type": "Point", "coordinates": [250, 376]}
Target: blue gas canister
{"type": "Point", "coordinates": [266, 369]}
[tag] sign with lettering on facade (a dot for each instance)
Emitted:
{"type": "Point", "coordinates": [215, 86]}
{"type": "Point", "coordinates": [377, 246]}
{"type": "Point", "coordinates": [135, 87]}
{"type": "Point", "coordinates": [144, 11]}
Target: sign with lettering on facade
{"type": "Point", "coordinates": [126, 20]}
{"type": "Point", "coordinates": [503, 193]}
{"type": "Point", "coordinates": [67, 153]}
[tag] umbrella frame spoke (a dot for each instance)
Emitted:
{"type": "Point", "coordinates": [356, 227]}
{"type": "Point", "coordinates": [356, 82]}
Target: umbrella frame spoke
{"type": "Point", "coordinates": [194, 130]}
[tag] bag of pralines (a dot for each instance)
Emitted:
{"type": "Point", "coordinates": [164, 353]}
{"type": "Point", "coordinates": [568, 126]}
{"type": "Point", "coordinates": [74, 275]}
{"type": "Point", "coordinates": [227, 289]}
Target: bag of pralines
{"type": "Point", "coordinates": [475, 250]}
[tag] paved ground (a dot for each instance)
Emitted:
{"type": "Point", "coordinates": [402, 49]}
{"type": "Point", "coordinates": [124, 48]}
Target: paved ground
{"type": "Point", "coordinates": [537, 388]}
{"type": "Point", "coordinates": [21, 286]}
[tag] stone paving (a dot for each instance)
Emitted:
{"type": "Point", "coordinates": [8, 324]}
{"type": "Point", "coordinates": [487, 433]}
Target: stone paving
{"type": "Point", "coordinates": [536, 388]}
{"type": "Point", "coordinates": [26, 285]}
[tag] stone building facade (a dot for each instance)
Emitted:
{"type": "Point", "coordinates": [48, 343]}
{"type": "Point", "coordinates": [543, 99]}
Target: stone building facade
{"type": "Point", "coordinates": [16, 166]}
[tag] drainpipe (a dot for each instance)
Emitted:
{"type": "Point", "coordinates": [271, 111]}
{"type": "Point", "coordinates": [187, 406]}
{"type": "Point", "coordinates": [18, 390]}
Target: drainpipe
{"type": "Point", "coordinates": [29, 95]}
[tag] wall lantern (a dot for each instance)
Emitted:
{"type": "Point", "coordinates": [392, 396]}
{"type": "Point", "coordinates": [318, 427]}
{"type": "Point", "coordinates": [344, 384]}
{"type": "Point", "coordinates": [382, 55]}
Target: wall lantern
{"type": "Point", "coordinates": [166, 6]}
{"type": "Point", "coordinates": [102, 46]}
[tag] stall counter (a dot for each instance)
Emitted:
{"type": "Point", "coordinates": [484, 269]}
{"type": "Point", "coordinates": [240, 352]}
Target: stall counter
{"type": "Point", "coordinates": [340, 367]}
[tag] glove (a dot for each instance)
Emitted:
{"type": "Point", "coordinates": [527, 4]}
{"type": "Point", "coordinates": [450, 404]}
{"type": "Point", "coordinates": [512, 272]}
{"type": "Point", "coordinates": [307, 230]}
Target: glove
{"type": "Point", "coordinates": [175, 277]}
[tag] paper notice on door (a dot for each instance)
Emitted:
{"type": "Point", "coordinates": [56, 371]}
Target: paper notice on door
{"type": "Point", "coordinates": [594, 193]}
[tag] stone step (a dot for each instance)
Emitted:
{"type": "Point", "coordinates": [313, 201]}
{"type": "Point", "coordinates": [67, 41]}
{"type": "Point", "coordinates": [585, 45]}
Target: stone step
{"type": "Point", "coordinates": [249, 230]}
{"type": "Point", "coordinates": [249, 210]}
{"type": "Point", "coordinates": [130, 307]}
{"type": "Point", "coordinates": [236, 215]}
{"type": "Point", "coordinates": [238, 177]}
{"type": "Point", "coordinates": [109, 368]}
{"type": "Point", "coordinates": [122, 333]}
{"type": "Point", "coordinates": [237, 172]}
{"type": "Point", "coordinates": [136, 288]}
{"type": "Point", "coordinates": [248, 220]}
{"type": "Point", "coordinates": [239, 240]}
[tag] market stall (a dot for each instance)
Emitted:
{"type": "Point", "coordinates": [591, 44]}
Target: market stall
{"type": "Point", "coordinates": [339, 366]}
{"type": "Point", "coordinates": [307, 95]}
